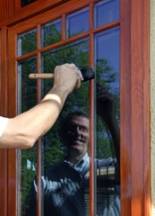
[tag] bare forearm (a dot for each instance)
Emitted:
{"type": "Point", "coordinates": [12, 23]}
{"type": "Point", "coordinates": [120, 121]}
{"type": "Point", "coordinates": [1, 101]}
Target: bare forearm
{"type": "Point", "coordinates": [23, 130]}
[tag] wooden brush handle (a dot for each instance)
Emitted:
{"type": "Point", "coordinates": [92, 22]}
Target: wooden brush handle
{"type": "Point", "coordinates": [41, 76]}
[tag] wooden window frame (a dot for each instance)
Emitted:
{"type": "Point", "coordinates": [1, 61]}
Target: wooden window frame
{"type": "Point", "coordinates": [135, 111]}
{"type": "Point", "coordinates": [135, 114]}
{"type": "Point", "coordinates": [34, 8]}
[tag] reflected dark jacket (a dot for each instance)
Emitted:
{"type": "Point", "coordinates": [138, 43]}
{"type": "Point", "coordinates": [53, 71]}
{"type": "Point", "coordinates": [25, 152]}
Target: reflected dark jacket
{"type": "Point", "coordinates": [64, 189]}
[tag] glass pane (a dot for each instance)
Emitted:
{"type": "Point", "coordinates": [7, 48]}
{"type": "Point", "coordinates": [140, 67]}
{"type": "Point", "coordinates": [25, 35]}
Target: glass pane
{"type": "Point", "coordinates": [107, 122]}
{"type": "Point", "coordinates": [27, 99]}
{"type": "Point", "coordinates": [26, 2]}
{"type": "Point", "coordinates": [63, 191]}
{"type": "Point", "coordinates": [78, 22]}
{"type": "Point", "coordinates": [27, 42]}
{"type": "Point", "coordinates": [51, 33]}
{"type": "Point", "coordinates": [106, 11]}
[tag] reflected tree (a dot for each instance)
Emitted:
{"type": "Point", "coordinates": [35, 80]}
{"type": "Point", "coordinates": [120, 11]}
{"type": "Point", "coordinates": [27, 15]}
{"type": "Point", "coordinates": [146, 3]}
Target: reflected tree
{"type": "Point", "coordinates": [52, 150]}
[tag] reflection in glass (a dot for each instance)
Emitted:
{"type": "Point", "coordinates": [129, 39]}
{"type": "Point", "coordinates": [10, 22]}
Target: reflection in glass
{"type": "Point", "coordinates": [51, 33]}
{"type": "Point", "coordinates": [107, 58]}
{"type": "Point", "coordinates": [27, 42]}
{"type": "Point", "coordinates": [27, 87]}
{"type": "Point", "coordinates": [106, 11]}
{"type": "Point", "coordinates": [107, 122]}
{"type": "Point", "coordinates": [62, 185]}
{"type": "Point", "coordinates": [78, 22]}
{"type": "Point", "coordinates": [27, 99]}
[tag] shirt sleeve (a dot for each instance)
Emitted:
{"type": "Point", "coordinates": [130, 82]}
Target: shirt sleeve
{"type": "Point", "coordinates": [3, 124]}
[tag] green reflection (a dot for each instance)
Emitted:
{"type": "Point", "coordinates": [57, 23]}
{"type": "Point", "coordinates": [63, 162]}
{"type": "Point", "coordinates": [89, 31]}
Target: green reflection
{"type": "Point", "coordinates": [27, 42]}
{"type": "Point", "coordinates": [107, 121]}
{"type": "Point", "coordinates": [74, 53]}
{"type": "Point", "coordinates": [27, 98]}
{"type": "Point", "coordinates": [51, 33]}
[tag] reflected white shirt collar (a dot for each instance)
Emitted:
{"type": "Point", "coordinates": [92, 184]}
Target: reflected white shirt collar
{"type": "Point", "coordinates": [81, 166]}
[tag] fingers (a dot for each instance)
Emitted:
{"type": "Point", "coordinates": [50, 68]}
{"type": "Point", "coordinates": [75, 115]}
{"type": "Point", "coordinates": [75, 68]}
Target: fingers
{"type": "Point", "coordinates": [67, 77]}
{"type": "Point", "coordinates": [78, 84]}
{"type": "Point", "coordinates": [76, 69]}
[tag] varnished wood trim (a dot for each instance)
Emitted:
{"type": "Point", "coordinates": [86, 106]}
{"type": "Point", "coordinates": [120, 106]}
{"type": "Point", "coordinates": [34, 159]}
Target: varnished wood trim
{"type": "Point", "coordinates": [135, 117]}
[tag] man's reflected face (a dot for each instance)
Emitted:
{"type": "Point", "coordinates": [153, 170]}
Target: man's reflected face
{"type": "Point", "coordinates": [77, 136]}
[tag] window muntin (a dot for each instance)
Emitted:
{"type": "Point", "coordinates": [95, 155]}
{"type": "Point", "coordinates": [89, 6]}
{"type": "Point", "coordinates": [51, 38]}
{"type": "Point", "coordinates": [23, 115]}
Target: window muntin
{"type": "Point", "coordinates": [106, 11]}
{"type": "Point", "coordinates": [52, 57]}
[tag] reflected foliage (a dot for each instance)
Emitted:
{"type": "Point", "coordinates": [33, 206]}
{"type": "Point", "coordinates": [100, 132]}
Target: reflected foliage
{"type": "Point", "coordinates": [27, 42]}
{"type": "Point", "coordinates": [27, 98]}
{"type": "Point", "coordinates": [77, 53]}
{"type": "Point", "coordinates": [53, 151]}
{"type": "Point", "coordinates": [51, 33]}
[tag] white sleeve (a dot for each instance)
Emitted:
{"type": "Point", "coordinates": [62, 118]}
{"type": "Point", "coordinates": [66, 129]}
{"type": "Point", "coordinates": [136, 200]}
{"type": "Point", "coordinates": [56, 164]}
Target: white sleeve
{"type": "Point", "coordinates": [3, 124]}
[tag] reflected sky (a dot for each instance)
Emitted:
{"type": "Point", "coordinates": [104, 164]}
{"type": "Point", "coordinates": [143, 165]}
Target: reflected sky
{"type": "Point", "coordinates": [107, 48]}
{"type": "Point", "coordinates": [106, 11]}
{"type": "Point", "coordinates": [78, 22]}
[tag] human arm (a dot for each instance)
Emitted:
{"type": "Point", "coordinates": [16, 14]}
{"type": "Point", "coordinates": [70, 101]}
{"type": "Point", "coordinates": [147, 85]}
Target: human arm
{"type": "Point", "coordinates": [23, 130]}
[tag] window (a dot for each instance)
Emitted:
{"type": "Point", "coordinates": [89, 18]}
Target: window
{"type": "Point", "coordinates": [96, 42]}
{"type": "Point", "coordinates": [106, 62]}
{"type": "Point", "coordinates": [39, 49]}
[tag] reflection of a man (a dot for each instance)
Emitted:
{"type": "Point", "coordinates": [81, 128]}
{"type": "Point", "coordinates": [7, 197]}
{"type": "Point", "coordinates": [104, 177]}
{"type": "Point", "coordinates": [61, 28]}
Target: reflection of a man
{"type": "Point", "coordinates": [65, 183]}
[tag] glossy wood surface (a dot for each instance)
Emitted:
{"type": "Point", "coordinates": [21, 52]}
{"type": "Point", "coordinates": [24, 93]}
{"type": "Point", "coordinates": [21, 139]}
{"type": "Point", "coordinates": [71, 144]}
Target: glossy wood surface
{"type": "Point", "coordinates": [135, 108]}
{"type": "Point", "coordinates": [135, 113]}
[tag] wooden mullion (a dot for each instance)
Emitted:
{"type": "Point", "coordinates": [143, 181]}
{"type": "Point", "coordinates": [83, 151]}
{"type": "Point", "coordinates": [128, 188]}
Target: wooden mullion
{"type": "Point", "coordinates": [12, 111]}
{"type": "Point", "coordinates": [26, 56]}
{"type": "Point", "coordinates": [63, 27]}
{"type": "Point", "coordinates": [64, 41]}
{"type": "Point", "coordinates": [125, 109]}
{"type": "Point", "coordinates": [91, 132]}
{"type": "Point", "coordinates": [39, 151]}
{"type": "Point", "coordinates": [53, 46]}
{"type": "Point", "coordinates": [107, 26]}
{"type": "Point", "coordinates": [3, 111]}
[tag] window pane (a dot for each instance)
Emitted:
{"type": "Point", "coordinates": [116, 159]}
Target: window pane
{"type": "Point", "coordinates": [77, 53]}
{"type": "Point", "coordinates": [26, 2]}
{"type": "Point", "coordinates": [27, 42]}
{"type": "Point", "coordinates": [106, 11]}
{"type": "Point", "coordinates": [27, 99]}
{"type": "Point", "coordinates": [78, 22]}
{"type": "Point", "coordinates": [107, 122]}
{"type": "Point", "coordinates": [51, 33]}
{"type": "Point", "coordinates": [27, 87]}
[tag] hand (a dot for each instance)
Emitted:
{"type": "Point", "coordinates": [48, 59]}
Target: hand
{"type": "Point", "coordinates": [67, 77]}
{"type": "Point", "coordinates": [105, 104]}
